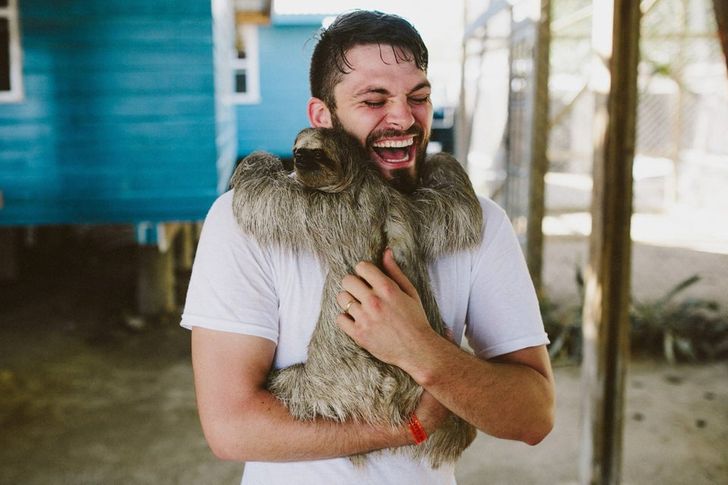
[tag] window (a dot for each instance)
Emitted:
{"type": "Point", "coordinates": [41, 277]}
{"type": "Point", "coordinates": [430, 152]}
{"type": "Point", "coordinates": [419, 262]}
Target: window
{"type": "Point", "coordinates": [246, 83]}
{"type": "Point", "coordinates": [11, 88]}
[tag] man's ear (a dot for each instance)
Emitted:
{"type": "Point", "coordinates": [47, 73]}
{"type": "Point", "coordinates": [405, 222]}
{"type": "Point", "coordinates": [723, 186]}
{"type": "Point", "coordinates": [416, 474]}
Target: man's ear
{"type": "Point", "coordinates": [318, 114]}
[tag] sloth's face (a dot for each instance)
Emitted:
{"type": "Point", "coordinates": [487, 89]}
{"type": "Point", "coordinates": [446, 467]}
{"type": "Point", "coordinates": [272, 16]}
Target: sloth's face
{"type": "Point", "coordinates": [316, 162]}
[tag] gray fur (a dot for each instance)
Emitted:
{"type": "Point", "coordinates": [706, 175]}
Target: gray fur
{"type": "Point", "coordinates": [340, 208]}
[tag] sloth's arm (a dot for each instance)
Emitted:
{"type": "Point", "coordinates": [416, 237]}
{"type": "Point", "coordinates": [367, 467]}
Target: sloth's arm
{"type": "Point", "coordinates": [268, 204]}
{"type": "Point", "coordinates": [449, 211]}
{"type": "Point", "coordinates": [242, 421]}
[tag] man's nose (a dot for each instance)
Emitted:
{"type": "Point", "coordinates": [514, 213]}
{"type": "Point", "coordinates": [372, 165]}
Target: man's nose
{"type": "Point", "coordinates": [399, 114]}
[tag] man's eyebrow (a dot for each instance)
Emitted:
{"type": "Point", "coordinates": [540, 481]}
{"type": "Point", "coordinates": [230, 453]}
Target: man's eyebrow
{"type": "Point", "coordinates": [385, 92]}
{"type": "Point", "coordinates": [371, 90]}
{"type": "Point", "coordinates": [423, 84]}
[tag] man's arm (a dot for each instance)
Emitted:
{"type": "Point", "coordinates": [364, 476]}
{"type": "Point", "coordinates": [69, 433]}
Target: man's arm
{"type": "Point", "coordinates": [510, 397]}
{"type": "Point", "coordinates": [242, 421]}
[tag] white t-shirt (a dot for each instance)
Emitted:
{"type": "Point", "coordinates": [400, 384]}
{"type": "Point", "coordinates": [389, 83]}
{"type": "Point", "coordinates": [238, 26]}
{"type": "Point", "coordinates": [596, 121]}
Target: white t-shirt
{"type": "Point", "coordinates": [238, 286]}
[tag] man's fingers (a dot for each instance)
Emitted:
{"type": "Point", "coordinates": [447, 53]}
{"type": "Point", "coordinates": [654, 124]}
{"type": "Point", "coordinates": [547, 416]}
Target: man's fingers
{"type": "Point", "coordinates": [380, 281]}
{"type": "Point", "coordinates": [346, 323]}
{"type": "Point", "coordinates": [395, 272]}
{"type": "Point", "coordinates": [369, 272]}
{"type": "Point", "coordinates": [356, 287]}
{"type": "Point", "coordinates": [346, 301]}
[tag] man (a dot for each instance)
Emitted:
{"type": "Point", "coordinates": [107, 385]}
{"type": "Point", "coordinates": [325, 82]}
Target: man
{"type": "Point", "coordinates": [253, 308]}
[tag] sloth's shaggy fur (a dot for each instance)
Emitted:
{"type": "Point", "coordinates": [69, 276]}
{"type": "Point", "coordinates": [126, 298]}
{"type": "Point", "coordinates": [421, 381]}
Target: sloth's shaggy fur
{"type": "Point", "coordinates": [339, 207]}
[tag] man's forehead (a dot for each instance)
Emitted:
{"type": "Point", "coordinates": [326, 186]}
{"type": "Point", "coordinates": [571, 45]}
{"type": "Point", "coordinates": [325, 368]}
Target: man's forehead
{"type": "Point", "coordinates": [371, 72]}
{"type": "Point", "coordinates": [365, 55]}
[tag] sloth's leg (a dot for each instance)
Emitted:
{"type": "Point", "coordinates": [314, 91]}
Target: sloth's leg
{"type": "Point", "coordinates": [341, 386]}
{"type": "Point", "coordinates": [447, 443]}
{"type": "Point", "coordinates": [289, 386]}
{"type": "Point", "coordinates": [309, 394]}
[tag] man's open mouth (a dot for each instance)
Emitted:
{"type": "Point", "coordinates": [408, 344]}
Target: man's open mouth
{"type": "Point", "coordinates": [395, 153]}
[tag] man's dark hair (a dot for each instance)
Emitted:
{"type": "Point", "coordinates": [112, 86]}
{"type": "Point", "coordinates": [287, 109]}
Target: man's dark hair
{"type": "Point", "coordinates": [360, 27]}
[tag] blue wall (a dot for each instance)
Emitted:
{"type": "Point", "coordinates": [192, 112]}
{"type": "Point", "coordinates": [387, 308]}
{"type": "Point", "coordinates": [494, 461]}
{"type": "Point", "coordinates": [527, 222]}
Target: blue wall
{"type": "Point", "coordinates": [285, 52]}
{"type": "Point", "coordinates": [118, 120]}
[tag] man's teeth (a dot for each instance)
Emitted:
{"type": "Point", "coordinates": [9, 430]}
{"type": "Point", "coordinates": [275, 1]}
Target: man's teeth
{"type": "Point", "coordinates": [393, 143]}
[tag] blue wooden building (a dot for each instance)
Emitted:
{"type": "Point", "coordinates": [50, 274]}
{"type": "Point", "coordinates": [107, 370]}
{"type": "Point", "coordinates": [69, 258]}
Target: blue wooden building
{"type": "Point", "coordinates": [130, 111]}
{"type": "Point", "coordinates": [272, 121]}
{"type": "Point", "coordinates": [117, 122]}
{"type": "Point", "coordinates": [135, 112]}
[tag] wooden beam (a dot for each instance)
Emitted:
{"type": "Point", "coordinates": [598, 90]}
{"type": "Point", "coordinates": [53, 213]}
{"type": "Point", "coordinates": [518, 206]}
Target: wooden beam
{"type": "Point", "coordinates": [720, 8]}
{"type": "Point", "coordinates": [606, 325]}
{"type": "Point", "coordinates": [253, 12]}
{"type": "Point", "coordinates": [539, 143]}
{"type": "Point", "coordinates": [252, 18]}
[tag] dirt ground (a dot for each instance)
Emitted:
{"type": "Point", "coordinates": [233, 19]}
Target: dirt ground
{"type": "Point", "coordinates": [85, 398]}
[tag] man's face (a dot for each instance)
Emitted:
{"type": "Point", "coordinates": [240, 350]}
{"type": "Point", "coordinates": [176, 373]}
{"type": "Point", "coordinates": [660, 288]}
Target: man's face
{"type": "Point", "coordinates": [386, 105]}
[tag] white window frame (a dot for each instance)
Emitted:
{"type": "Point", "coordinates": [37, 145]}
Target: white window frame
{"type": "Point", "coordinates": [250, 65]}
{"type": "Point", "coordinates": [15, 93]}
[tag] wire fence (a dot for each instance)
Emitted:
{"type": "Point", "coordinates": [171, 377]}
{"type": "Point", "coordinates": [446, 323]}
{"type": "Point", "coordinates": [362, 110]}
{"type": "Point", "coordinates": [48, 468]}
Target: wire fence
{"type": "Point", "coordinates": [683, 100]}
{"type": "Point", "coordinates": [681, 162]}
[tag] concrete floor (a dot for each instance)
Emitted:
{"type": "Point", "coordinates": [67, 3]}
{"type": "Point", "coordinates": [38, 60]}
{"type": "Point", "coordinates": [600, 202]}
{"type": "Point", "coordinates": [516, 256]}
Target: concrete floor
{"type": "Point", "coordinates": [87, 399]}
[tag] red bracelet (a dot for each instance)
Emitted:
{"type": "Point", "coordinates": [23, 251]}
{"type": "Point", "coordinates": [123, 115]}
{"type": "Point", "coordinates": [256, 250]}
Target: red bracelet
{"type": "Point", "coordinates": [417, 430]}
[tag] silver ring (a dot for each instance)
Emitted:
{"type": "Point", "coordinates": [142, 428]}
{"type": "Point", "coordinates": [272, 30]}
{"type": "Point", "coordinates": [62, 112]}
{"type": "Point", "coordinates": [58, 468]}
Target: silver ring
{"type": "Point", "coordinates": [348, 305]}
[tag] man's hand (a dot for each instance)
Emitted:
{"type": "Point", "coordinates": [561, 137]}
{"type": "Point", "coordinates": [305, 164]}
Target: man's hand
{"type": "Point", "coordinates": [510, 396]}
{"type": "Point", "coordinates": [383, 312]}
{"type": "Point", "coordinates": [387, 318]}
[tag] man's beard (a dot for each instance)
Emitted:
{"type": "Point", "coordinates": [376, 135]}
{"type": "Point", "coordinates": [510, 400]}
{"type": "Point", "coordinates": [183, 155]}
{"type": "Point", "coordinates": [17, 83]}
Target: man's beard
{"type": "Point", "coordinates": [402, 179]}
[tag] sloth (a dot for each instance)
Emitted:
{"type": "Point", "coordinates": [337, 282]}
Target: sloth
{"type": "Point", "coordinates": [340, 208]}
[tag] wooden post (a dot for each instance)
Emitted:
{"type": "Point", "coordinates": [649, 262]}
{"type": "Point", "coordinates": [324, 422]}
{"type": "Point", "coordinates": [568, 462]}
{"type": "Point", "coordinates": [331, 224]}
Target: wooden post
{"type": "Point", "coordinates": [461, 118]}
{"type": "Point", "coordinates": [721, 17]}
{"type": "Point", "coordinates": [187, 244]}
{"type": "Point", "coordinates": [156, 278]}
{"type": "Point", "coordinates": [539, 144]}
{"type": "Point", "coordinates": [606, 326]}
{"type": "Point", "coordinates": [155, 281]}
{"type": "Point", "coordinates": [8, 254]}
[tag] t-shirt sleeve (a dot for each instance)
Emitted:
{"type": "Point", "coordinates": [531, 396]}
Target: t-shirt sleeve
{"type": "Point", "coordinates": [231, 287]}
{"type": "Point", "coordinates": [503, 311]}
